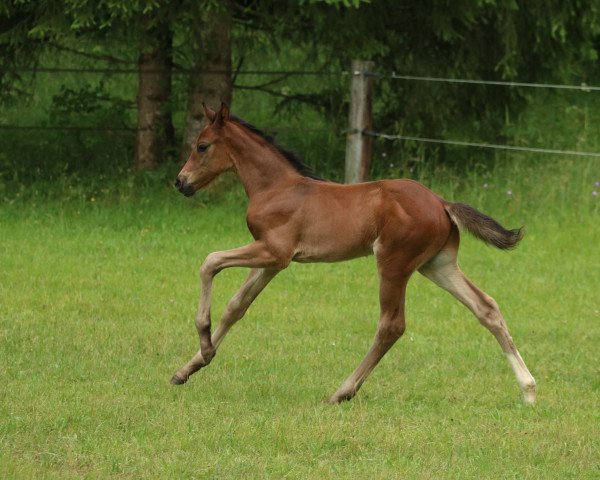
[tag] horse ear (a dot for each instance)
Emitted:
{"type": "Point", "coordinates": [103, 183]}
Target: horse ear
{"type": "Point", "coordinates": [222, 116]}
{"type": "Point", "coordinates": [209, 112]}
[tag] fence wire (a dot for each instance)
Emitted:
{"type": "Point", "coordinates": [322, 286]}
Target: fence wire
{"type": "Point", "coordinates": [583, 87]}
{"type": "Point", "coordinates": [179, 71]}
{"type": "Point", "coordinates": [551, 151]}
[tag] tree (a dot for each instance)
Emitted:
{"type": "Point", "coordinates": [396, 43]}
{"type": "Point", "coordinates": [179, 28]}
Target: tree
{"type": "Point", "coordinates": [210, 80]}
{"type": "Point", "coordinates": [531, 40]}
{"type": "Point", "coordinates": [30, 28]}
{"type": "Point", "coordinates": [154, 122]}
{"type": "Point", "coordinates": [19, 45]}
{"type": "Point", "coordinates": [484, 39]}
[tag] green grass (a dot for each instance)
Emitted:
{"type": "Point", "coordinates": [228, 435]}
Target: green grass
{"type": "Point", "coordinates": [98, 292]}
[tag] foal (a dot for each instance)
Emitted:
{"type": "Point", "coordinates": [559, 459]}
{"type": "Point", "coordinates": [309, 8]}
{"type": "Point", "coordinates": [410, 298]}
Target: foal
{"type": "Point", "coordinates": [294, 217]}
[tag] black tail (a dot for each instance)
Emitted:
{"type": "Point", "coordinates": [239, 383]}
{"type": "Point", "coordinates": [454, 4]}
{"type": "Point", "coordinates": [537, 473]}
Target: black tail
{"type": "Point", "coordinates": [483, 227]}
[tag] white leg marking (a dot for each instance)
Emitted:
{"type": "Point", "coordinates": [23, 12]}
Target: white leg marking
{"type": "Point", "coordinates": [524, 378]}
{"type": "Point", "coordinates": [443, 271]}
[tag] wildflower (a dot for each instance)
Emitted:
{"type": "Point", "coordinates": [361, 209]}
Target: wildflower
{"type": "Point", "coordinates": [384, 154]}
{"type": "Point", "coordinates": [594, 193]}
{"type": "Point", "coordinates": [509, 192]}
{"type": "Point", "coordinates": [485, 185]}
{"type": "Point", "coordinates": [391, 165]}
{"type": "Point", "coordinates": [597, 183]}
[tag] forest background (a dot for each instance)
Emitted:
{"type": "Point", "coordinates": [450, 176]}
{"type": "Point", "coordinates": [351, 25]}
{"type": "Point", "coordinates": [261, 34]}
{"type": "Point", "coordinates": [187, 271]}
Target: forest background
{"type": "Point", "coordinates": [113, 85]}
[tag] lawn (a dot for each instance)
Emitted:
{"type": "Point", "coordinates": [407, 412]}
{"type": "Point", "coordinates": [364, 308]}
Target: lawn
{"type": "Point", "coordinates": [97, 299]}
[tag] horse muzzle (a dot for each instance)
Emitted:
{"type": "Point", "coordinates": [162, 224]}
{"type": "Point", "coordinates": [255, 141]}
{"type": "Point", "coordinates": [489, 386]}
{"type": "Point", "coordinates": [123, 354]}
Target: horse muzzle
{"type": "Point", "coordinates": [184, 187]}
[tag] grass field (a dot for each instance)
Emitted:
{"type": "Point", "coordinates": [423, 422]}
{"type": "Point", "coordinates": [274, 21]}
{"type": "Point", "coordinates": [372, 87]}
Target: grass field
{"type": "Point", "coordinates": [98, 291]}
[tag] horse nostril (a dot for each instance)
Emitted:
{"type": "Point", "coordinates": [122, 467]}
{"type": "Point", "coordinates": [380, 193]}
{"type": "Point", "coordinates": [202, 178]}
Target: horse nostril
{"type": "Point", "coordinates": [184, 187]}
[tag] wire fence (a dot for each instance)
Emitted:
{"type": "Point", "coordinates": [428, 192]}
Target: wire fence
{"type": "Point", "coordinates": [181, 71]}
{"type": "Point", "coordinates": [174, 71]}
{"type": "Point", "coordinates": [480, 145]}
{"type": "Point", "coordinates": [583, 87]}
{"type": "Point", "coordinates": [71, 128]}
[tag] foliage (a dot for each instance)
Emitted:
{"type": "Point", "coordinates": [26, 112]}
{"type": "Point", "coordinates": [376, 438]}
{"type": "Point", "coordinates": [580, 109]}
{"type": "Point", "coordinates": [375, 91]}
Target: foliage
{"type": "Point", "coordinates": [70, 106]}
{"type": "Point", "coordinates": [528, 41]}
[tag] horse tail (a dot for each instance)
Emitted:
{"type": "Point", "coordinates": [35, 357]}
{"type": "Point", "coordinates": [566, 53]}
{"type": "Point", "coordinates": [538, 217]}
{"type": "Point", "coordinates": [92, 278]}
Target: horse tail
{"type": "Point", "coordinates": [485, 228]}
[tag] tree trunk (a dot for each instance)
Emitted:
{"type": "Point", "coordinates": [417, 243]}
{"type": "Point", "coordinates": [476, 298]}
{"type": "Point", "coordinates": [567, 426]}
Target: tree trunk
{"type": "Point", "coordinates": [155, 126]}
{"type": "Point", "coordinates": [213, 44]}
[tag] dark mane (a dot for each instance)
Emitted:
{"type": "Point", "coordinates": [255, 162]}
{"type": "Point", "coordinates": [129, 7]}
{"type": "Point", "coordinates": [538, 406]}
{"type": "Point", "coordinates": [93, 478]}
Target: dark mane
{"type": "Point", "coordinates": [293, 159]}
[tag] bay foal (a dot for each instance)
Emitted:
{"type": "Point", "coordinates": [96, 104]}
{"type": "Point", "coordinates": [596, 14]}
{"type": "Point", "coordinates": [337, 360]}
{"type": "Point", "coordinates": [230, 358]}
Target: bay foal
{"type": "Point", "coordinates": [294, 217]}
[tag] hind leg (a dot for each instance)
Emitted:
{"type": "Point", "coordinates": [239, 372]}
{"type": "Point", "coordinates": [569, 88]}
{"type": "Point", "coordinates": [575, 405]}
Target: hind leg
{"type": "Point", "coordinates": [390, 328]}
{"type": "Point", "coordinates": [444, 272]}
{"type": "Point", "coordinates": [392, 290]}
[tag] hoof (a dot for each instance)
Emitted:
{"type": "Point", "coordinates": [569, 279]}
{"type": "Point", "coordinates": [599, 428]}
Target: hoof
{"type": "Point", "coordinates": [335, 399]}
{"type": "Point", "coordinates": [175, 380]}
{"type": "Point", "coordinates": [529, 395]}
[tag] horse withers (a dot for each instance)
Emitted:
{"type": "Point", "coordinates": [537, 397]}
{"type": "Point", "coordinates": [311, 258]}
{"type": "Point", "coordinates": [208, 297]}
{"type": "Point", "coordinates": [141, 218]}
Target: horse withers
{"type": "Point", "coordinates": [294, 216]}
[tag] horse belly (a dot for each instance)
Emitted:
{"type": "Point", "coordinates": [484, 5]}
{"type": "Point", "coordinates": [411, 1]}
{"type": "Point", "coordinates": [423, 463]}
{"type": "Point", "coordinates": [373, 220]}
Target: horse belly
{"type": "Point", "coordinates": [335, 241]}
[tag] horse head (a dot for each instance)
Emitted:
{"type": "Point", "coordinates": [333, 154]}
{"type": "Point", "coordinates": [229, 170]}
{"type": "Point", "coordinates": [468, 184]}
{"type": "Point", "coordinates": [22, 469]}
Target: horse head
{"type": "Point", "coordinates": [209, 157]}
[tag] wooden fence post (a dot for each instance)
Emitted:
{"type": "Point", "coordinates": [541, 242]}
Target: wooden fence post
{"type": "Point", "coordinates": [359, 146]}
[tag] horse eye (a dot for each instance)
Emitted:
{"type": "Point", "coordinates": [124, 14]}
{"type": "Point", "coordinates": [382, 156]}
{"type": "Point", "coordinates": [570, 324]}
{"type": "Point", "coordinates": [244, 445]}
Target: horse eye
{"type": "Point", "coordinates": [202, 147]}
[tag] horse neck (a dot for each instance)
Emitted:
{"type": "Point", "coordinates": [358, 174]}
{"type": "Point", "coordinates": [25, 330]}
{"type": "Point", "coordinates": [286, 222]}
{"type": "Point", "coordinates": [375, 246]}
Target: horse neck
{"type": "Point", "coordinates": [259, 166]}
